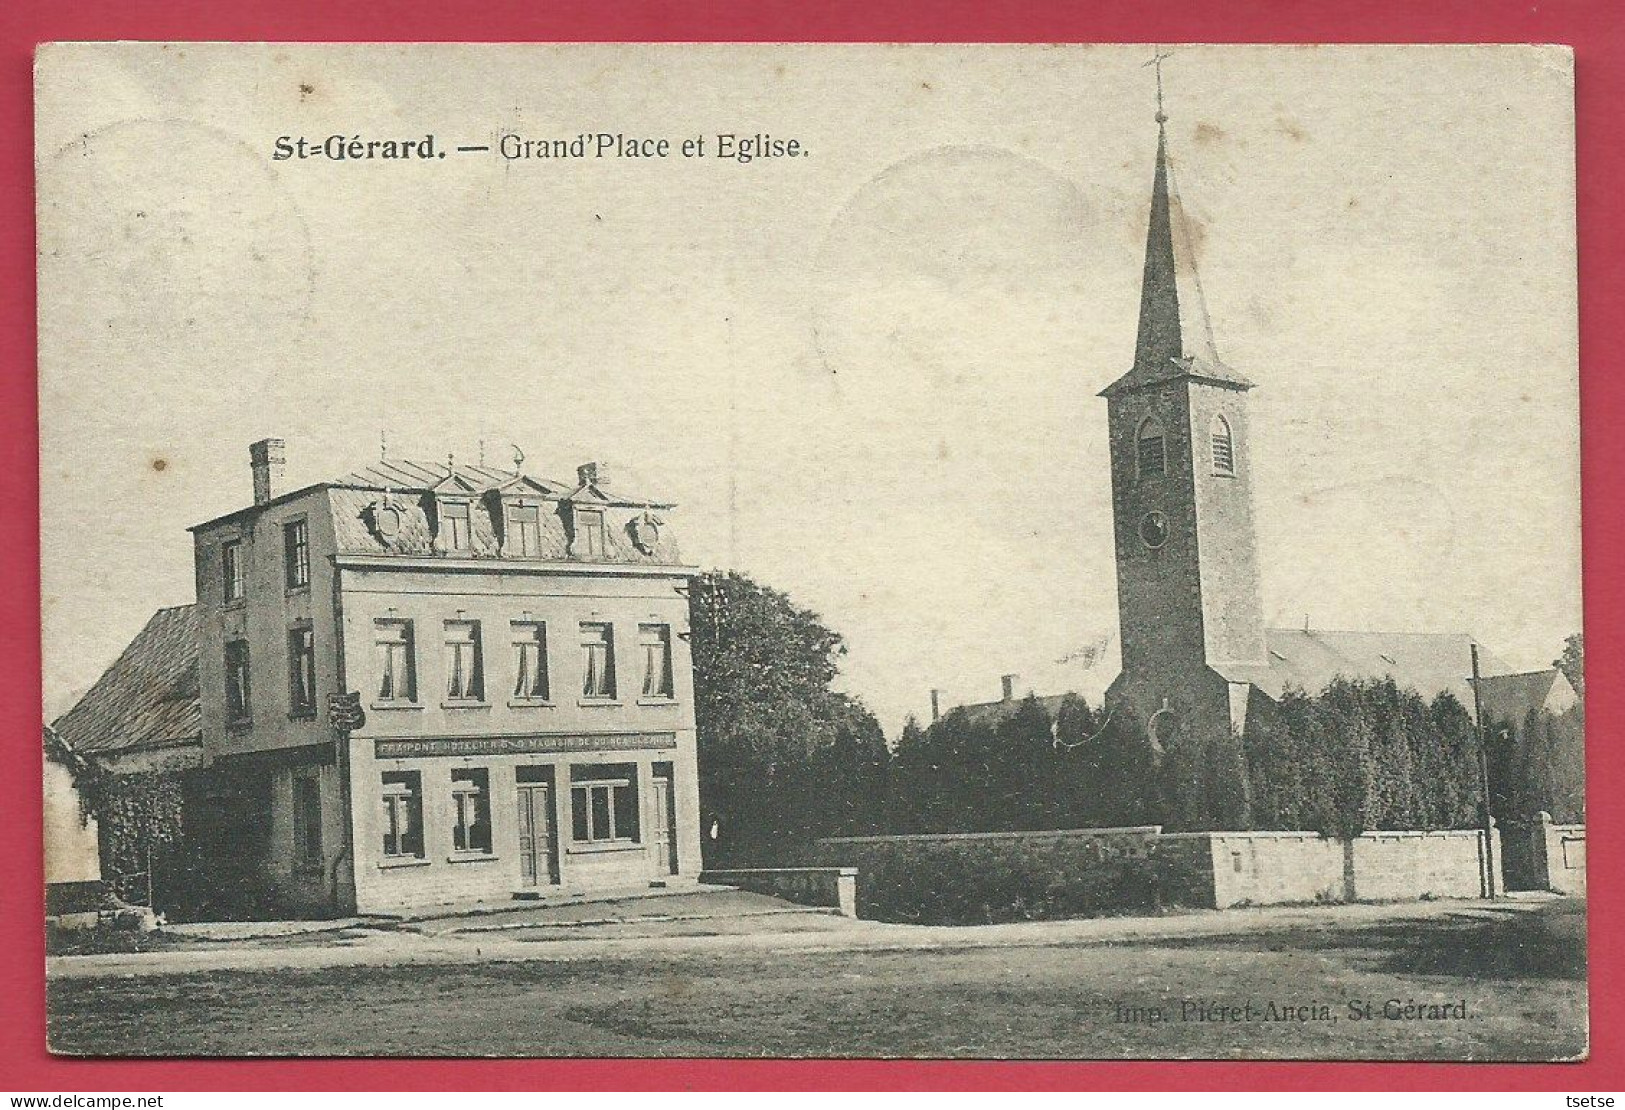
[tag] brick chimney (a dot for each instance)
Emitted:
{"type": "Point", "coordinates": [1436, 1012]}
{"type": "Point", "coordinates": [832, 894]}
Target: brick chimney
{"type": "Point", "coordinates": [1009, 681]}
{"type": "Point", "coordinates": [592, 474]}
{"type": "Point", "coordinates": [936, 705]}
{"type": "Point", "coordinates": [267, 459]}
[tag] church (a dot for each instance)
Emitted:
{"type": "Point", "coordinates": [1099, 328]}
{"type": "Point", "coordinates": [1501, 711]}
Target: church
{"type": "Point", "coordinates": [1196, 654]}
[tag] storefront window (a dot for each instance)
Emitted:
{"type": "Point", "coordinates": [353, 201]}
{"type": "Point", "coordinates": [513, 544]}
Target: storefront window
{"type": "Point", "coordinates": [471, 803]}
{"type": "Point", "coordinates": [403, 815]}
{"type": "Point", "coordinates": [604, 803]}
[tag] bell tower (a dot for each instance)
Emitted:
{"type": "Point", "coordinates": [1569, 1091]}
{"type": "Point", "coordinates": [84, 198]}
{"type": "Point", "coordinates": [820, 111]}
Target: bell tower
{"type": "Point", "coordinates": [1188, 599]}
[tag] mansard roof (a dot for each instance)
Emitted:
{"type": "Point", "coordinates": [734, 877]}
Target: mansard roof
{"type": "Point", "coordinates": [469, 479]}
{"type": "Point", "coordinates": [354, 535]}
{"type": "Point", "coordinates": [1176, 337]}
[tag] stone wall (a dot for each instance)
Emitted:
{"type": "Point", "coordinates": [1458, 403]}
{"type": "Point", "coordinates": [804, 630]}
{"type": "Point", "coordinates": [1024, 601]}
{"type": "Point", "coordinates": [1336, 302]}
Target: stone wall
{"type": "Point", "coordinates": [1258, 868]}
{"type": "Point", "coordinates": [1271, 868]}
{"type": "Point", "coordinates": [1400, 866]}
{"type": "Point", "coordinates": [974, 877]}
{"type": "Point", "coordinates": [1566, 858]}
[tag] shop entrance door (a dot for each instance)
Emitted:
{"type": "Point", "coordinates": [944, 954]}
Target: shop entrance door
{"type": "Point", "coordinates": [665, 830]}
{"type": "Point", "coordinates": [538, 843]}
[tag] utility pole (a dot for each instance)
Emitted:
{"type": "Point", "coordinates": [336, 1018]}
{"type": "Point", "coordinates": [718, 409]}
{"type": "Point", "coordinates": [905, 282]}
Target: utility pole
{"type": "Point", "coordinates": [1486, 821]}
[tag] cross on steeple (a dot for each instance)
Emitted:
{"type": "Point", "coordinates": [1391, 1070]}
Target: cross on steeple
{"type": "Point", "coordinates": [1158, 55]}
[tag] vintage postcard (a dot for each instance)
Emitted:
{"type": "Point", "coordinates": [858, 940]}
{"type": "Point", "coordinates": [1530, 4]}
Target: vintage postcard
{"type": "Point", "coordinates": [846, 551]}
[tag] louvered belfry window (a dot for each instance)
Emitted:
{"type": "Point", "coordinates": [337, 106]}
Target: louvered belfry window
{"type": "Point", "coordinates": [1152, 450]}
{"type": "Point", "coordinates": [1224, 447]}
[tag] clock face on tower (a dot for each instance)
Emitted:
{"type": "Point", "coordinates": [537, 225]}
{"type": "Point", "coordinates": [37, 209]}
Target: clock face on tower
{"type": "Point", "coordinates": [1154, 530]}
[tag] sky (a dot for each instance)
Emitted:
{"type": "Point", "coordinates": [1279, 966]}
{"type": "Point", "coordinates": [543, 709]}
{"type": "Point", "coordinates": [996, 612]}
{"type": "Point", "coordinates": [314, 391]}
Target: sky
{"type": "Point", "coordinates": [868, 375]}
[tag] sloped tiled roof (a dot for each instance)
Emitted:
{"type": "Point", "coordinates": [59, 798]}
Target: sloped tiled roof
{"type": "Point", "coordinates": [1510, 697]}
{"type": "Point", "coordinates": [995, 712]}
{"type": "Point", "coordinates": [58, 750]}
{"type": "Point", "coordinates": [1428, 662]}
{"type": "Point", "coordinates": [148, 698]}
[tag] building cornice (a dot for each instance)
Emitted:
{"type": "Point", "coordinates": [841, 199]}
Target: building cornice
{"type": "Point", "coordinates": [513, 566]}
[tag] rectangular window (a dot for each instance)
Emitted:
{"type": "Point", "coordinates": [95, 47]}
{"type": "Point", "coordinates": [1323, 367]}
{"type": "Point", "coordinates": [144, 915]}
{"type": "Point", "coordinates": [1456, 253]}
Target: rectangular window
{"type": "Point", "coordinates": [464, 678]}
{"type": "Point", "coordinates": [397, 668]}
{"type": "Point", "coordinates": [597, 661]}
{"type": "Point", "coordinates": [238, 702]}
{"type": "Point", "coordinates": [296, 553]}
{"type": "Point", "coordinates": [403, 814]}
{"type": "Point", "coordinates": [656, 642]}
{"type": "Point", "coordinates": [604, 803]}
{"type": "Point", "coordinates": [231, 569]}
{"type": "Point", "coordinates": [454, 526]}
{"type": "Point", "coordinates": [307, 821]}
{"type": "Point", "coordinates": [530, 660]}
{"type": "Point", "coordinates": [471, 807]}
{"type": "Point", "coordinates": [589, 529]}
{"type": "Point", "coordinates": [302, 671]}
{"type": "Point", "coordinates": [525, 531]}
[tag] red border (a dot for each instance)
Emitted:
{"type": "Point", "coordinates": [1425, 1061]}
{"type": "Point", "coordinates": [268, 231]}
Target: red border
{"type": "Point", "coordinates": [1596, 29]}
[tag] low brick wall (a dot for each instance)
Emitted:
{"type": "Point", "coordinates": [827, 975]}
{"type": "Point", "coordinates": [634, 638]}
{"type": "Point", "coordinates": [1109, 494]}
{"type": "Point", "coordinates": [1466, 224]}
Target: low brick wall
{"type": "Point", "coordinates": [967, 878]}
{"type": "Point", "coordinates": [835, 887]}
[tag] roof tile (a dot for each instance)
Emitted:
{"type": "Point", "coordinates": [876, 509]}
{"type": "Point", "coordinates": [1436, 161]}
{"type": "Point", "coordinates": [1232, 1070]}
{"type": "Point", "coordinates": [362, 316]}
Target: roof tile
{"type": "Point", "coordinates": [148, 697]}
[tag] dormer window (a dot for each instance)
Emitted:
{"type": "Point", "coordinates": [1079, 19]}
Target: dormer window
{"type": "Point", "coordinates": [524, 531]}
{"type": "Point", "coordinates": [455, 530]}
{"type": "Point", "coordinates": [589, 533]}
{"type": "Point", "coordinates": [1151, 449]}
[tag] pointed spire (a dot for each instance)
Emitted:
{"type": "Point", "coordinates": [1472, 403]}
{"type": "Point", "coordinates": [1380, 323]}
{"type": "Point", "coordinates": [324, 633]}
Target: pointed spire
{"type": "Point", "coordinates": [1175, 337]}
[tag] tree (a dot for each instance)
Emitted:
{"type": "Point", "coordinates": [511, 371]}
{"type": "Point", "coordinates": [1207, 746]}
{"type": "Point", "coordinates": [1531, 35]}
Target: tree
{"type": "Point", "coordinates": [1539, 764]}
{"type": "Point", "coordinates": [782, 757]}
{"type": "Point", "coordinates": [1103, 767]}
{"type": "Point", "coordinates": [1360, 756]}
{"type": "Point", "coordinates": [953, 777]}
{"type": "Point", "coordinates": [1573, 662]}
{"type": "Point", "coordinates": [1021, 771]}
{"type": "Point", "coordinates": [1015, 768]}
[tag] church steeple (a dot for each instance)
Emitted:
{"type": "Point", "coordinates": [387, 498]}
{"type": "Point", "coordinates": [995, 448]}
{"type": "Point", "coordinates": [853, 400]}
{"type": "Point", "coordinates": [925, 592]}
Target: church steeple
{"type": "Point", "coordinates": [1188, 595]}
{"type": "Point", "coordinates": [1176, 337]}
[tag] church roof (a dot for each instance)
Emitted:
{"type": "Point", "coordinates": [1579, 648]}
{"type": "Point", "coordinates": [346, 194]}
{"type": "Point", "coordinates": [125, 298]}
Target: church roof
{"type": "Point", "coordinates": [148, 698]}
{"type": "Point", "coordinates": [1510, 697]}
{"type": "Point", "coordinates": [1175, 337]}
{"type": "Point", "coordinates": [1429, 662]}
